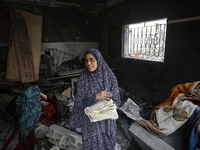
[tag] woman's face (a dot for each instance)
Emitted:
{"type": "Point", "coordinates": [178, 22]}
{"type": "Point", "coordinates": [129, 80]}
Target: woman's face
{"type": "Point", "coordinates": [90, 62]}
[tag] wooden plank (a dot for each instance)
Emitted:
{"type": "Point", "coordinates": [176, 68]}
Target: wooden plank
{"type": "Point", "coordinates": [34, 28]}
{"type": "Point", "coordinates": [22, 47]}
{"type": "Point", "coordinates": [55, 78]}
{"type": "Point", "coordinates": [65, 73]}
{"type": "Point", "coordinates": [12, 70]}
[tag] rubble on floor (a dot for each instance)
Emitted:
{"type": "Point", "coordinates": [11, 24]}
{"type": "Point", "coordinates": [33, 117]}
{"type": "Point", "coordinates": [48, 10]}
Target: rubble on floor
{"type": "Point", "coordinates": [64, 138]}
{"type": "Point", "coordinates": [60, 134]}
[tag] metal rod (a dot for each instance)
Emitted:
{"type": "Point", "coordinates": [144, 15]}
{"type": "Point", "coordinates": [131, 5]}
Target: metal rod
{"type": "Point", "coordinates": [184, 20]}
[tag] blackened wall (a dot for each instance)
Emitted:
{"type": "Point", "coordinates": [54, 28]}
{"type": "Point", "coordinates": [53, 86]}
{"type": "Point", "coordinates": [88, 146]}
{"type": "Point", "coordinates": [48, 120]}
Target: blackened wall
{"type": "Point", "coordinates": [152, 80]}
{"type": "Point", "coordinates": [69, 25]}
{"type": "Point", "coordinates": [60, 25]}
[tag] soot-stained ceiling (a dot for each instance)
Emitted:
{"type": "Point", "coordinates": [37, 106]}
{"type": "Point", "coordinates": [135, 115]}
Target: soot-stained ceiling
{"type": "Point", "coordinates": [97, 5]}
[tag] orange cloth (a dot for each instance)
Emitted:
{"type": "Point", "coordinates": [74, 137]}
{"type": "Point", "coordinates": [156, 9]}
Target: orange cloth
{"type": "Point", "coordinates": [175, 91]}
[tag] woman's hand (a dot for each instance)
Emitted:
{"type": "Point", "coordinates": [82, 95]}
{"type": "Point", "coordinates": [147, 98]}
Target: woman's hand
{"type": "Point", "coordinates": [104, 95]}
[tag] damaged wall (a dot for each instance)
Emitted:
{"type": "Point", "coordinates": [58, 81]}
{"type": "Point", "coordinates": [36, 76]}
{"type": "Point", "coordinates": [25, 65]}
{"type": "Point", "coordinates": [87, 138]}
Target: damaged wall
{"type": "Point", "coordinates": [65, 51]}
{"type": "Point", "coordinates": [69, 25]}
{"type": "Point", "coordinates": [152, 80]}
{"type": "Point", "coordinates": [59, 24]}
{"type": "Point", "coordinates": [67, 31]}
{"type": "Point", "coordinates": [72, 30]}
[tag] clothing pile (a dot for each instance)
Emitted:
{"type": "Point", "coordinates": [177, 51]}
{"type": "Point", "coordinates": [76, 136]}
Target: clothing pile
{"type": "Point", "coordinates": [182, 105]}
{"type": "Point", "coordinates": [27, 109]}
{"type": "Point", "coordinates": [102, 110]}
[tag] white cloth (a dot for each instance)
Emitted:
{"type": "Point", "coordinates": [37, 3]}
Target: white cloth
{"type": "Point", "coordinates": [166, 121]}
{"type": "Point", "coordinates": [131, 109]}
{"type": "Point", "coordinates": [102, 110]}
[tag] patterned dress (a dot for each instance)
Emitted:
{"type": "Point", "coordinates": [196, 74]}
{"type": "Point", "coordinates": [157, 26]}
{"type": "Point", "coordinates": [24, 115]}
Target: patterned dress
{"type": "Point", "coordinates": [99, 135]}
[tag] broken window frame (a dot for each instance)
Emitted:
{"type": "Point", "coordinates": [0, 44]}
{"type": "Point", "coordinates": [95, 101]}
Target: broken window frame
{"type": "Point", "coordinates": [144, 40]}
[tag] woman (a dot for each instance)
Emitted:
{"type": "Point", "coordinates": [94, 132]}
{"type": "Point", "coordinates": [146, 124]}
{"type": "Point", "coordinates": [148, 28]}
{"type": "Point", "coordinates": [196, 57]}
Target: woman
{"type": "Point", "coordinates": [97, 82]}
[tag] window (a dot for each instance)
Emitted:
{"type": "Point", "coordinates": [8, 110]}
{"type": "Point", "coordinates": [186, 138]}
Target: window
{"type": "Point", "coordinates": [145, 40]}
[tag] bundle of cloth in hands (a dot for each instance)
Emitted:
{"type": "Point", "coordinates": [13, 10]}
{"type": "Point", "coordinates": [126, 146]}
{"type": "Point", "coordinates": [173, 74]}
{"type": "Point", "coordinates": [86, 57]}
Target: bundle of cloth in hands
{"type": "Point", "coordinates": [102, 110]}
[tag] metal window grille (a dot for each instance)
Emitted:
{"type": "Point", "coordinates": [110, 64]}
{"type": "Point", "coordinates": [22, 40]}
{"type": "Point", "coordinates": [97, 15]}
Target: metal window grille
{"type": "Point", "coordinates": [145, 40]}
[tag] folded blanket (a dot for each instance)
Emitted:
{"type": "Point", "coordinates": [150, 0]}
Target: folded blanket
{"type": "Point", "coordinates": [102, 110]}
